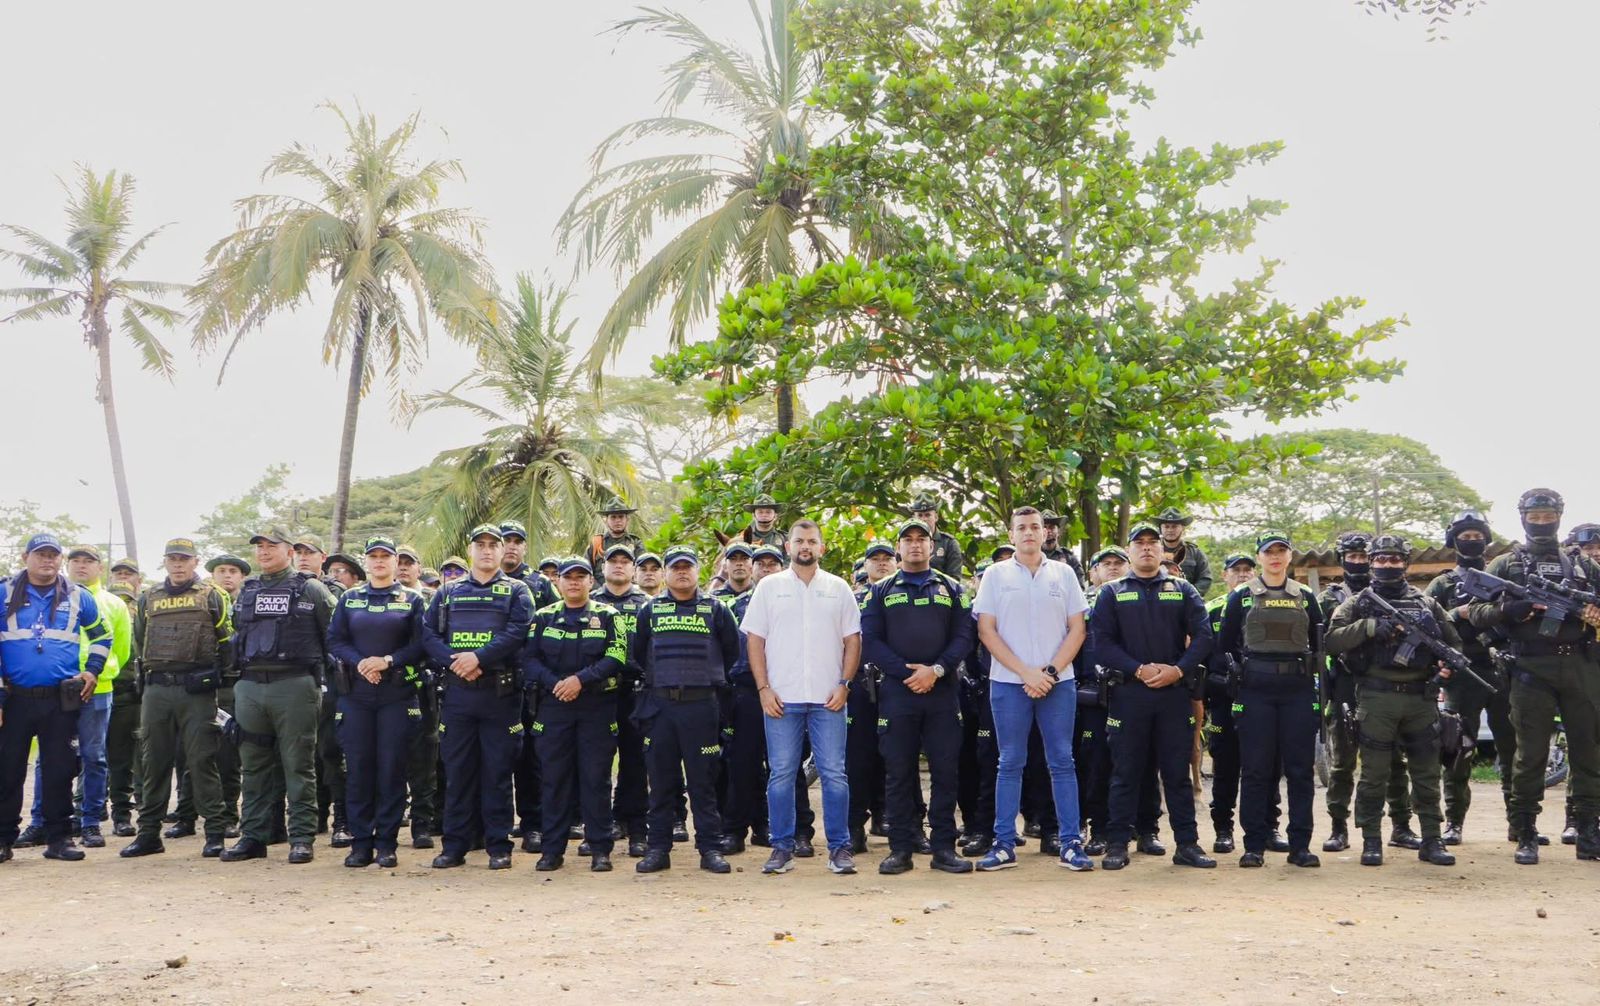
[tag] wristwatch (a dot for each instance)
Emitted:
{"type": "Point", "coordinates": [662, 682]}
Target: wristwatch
{"type": "Point", "coordinates": [938, 670]}
{"type": "Point", "coordinates": [1051, 672]}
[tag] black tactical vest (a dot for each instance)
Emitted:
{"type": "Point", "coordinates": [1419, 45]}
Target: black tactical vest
{"type": "Point", "coordinates": [683, 648]}
{"type": "Point", "coordinates": [1415, 608]}
{"type": "Point", "coordinates": [277, 624]}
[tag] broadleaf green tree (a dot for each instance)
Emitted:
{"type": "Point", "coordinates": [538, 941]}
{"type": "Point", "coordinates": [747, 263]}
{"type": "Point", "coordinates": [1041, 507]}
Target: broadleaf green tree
{"type": "Point", "coordinates": [391, 256]}
{"type": "Point", "coordinates": [87, 276]}
{"type": "Point", "coordinates": [22, 520]}
{"type": "Point", "coordinates": [1042, 336]}
{"type": "Point", "coordinates": [1354, 478]}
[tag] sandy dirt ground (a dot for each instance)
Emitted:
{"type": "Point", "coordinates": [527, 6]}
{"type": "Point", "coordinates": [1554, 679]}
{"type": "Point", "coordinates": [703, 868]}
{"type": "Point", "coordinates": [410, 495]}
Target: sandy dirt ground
{"type": "Point", "coordinates": [176, 928]}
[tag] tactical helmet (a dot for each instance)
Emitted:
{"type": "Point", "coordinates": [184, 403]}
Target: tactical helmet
{"type": "Point", "coordinates": [1390, 544]}
{"type": "Point", "coordinates": [1466, 520]}
{"type": "Point", "coordinates": [1541, 499]}
{"type": "Point", "coordinates": [1353, 541]}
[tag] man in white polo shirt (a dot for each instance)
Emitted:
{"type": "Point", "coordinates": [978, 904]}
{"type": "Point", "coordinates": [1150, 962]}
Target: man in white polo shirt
{"type": "Point", "coordinates": [1030, 618]}
{"type": "Point", "coordinates": [803, 631]}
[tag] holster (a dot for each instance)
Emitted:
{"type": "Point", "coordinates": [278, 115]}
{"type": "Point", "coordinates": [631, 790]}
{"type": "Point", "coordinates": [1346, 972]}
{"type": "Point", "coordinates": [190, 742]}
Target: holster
{"type": "Point", "coordinates": [344, 680]}
{"type": "Point", "coordinates": [507, 682]}
{"type": "Point", "coordinates": [71, 695]}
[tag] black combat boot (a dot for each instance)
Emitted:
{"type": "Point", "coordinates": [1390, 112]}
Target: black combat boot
{"type": "Point", "coordinates": [1527, 853]}
{"type": "Point", "coordinates": [1569, 834]}
{"type": "Point", "coordinates": [1432, 851]}
{"type": "Point", "coordinates": [1372, 851]}
{"type": "Point", "coordinates": [1339, 840]}
{"type": "Point", "coordinates": [1589, 840]}
{"type": "Point", "coordinates": [1116, 856]}
{"type": "Point", "coordinates": [1190, 854]}
{"type": "Point", "coordinates": [1402, 837]}
{"type": "Point", "coordinates": [1452, 834]}
{"type": "Point", "coordinates": [1224, 842]}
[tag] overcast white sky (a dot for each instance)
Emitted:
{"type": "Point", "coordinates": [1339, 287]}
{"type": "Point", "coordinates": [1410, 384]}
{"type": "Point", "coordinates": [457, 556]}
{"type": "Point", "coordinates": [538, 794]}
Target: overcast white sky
{"type": "Point", "coordinates": [1450, 182]}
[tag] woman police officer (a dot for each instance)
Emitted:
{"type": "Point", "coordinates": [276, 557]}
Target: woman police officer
{"type": "Point", "coordinates": [376, 635]}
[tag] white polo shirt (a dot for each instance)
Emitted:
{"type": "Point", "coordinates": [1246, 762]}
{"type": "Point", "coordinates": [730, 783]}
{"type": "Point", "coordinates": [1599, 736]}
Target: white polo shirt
{"type": "Point", "coordinates": [1031, 611]}
{"type": "Point", "coordinates": [805, 627]}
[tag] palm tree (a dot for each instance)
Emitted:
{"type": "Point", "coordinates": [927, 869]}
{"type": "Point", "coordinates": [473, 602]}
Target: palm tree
{"type": "Point", "coordinates": [375, 230]}
{"type": "Point", "coordinates": [86, 276]}
{"type": "Point", "coordinates": [545, 461]}
{"type": "Point", "coordinates": [746, 207]}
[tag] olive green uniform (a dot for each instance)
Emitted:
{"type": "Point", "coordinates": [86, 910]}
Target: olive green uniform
{"type": "Point", "coordinates": [1395, 710]}
{"type": "Point", "coordinates": [278, 703]}
{"type": "Point", "coordinates": [600, 544]}
{"type": "Point", "coordinates": [122, 734]}
{"type": "Point", "coordinates": [1553, 675]}
{"type": "Point", "coordinates": [183, 634]}
{"type": "Point", "coordinates": [1342, 747]}
{"type": "Point", "coordinates": [1469, 700]}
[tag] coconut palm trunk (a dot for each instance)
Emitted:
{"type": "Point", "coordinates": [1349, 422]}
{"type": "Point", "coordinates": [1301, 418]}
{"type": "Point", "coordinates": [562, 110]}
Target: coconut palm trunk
{"type": "Point", "coordinates": [352, 410]}
{"type": "Point", "coordinates": [100, 331]}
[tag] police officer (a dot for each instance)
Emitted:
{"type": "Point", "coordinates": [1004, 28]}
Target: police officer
{"type": "Point", "coordinates": [980, 755]}
{"type": "Point", "coordinates": [377, 637]}
{"type": "Point", "coordinates": [1398, 704]}
{"type": "Point", "coordinates": [1222, 741]}
{"type": "Point", "coordinates": [344, 569]}
{"type": "Point", "coordinates": [744, 809]}
{"type": "Point", "coordinates": [687, 641]}
{"type": "Point", "coordinates": [1195, 567]}
{"type": "Point", "coordinates": [547, 568]}
{"type": "Point", "coordinates": [631, 799]}
{"type": "Point", "coordinates": [1274, 626]}
{"type": "Point", "coordinates": [763, 528]}
{"type": "Point", "coordinates": [648, 573]}
{"type": "Point", "coordinates": [1153, 631]}
{"type": "Point", "coordinates": [1339, 702]}
{"type": "Point", "coordinates": [1554, 673]}
{"type": "Point", "coordinates": [122, 736]}
{"type": "Point", "coordinates": [280, 634]}
{"type": "Point", "coordinates": [574, 658]}
{"type": "Point", "coordinates": [946, 551]}
{"type": "Point", "coordinates": [916, 628]}
{"type": "Point", "coordinates": [1469, 535]}
{"type": "Point", "coordinates": [475, 630]}
{"type": "Point", "coordinates": [47, 672]}
{"type": "Point", "coordinates": [228, 573]}
{"type": "Point", "coordinates": [184, 627]}
{"type": "Point", "coordinates": [739, 561]}
{"type": "Point", "coordinates": [453, 568]}
{"type": "Point", "coordinates": [863, 757]}
{"type": "Point", "coordinates": [542, 593]}
{"type": "Point", "coordinates": [1053, 548]}
{"type": "Point", "coordinates": [312, 559]}
{"type": "Point", "coordinates": [126, 572]}
{"type": "Point", "coordinates": [615, 515]}
{"type": "Point", "coordinates": [408, 570]}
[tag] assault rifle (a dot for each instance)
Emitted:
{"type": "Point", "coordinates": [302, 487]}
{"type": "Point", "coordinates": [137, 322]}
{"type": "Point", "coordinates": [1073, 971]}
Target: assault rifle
{"type": "Point", "coordinates": [1411, 638]}
{"type": "Point", "coordinates": [1560, 602]}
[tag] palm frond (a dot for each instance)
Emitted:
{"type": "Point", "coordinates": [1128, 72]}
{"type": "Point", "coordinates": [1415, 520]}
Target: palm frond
{"type": "Point", "coordinates": [154, 355]}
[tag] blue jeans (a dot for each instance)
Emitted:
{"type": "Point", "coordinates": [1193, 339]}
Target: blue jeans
{"type": "Point", "coordinates": [1014, 716]}
{"type": "Point", "coordinates": [785, 737]}
{"type": "Point", "coordinates": [94, 721]}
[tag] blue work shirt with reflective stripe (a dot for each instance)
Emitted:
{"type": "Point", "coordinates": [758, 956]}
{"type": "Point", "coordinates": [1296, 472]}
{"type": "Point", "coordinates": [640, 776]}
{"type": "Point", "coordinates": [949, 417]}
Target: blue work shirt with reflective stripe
{"type": "Point", "coordinates": [39, 642]}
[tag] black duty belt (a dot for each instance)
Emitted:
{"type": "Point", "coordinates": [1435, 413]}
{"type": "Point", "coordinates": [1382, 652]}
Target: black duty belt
{"type": "Point", "coordinates": [1257, 663]}
{"type": "Point", "coordinates": [1400, 687]}
{"type": "Point", "coordinates": [685, 694]}
{"type": "Point", "coordinates": [166, 677]}
{"type": "Point", "coordinates": [41, 692]}
{"type": "Point", "coordinates": [265, 676]}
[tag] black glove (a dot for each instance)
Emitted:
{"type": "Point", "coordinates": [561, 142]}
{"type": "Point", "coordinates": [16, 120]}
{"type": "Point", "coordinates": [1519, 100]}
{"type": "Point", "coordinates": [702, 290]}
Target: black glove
{"type": "Point", "coordinates": [1517, 609]}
